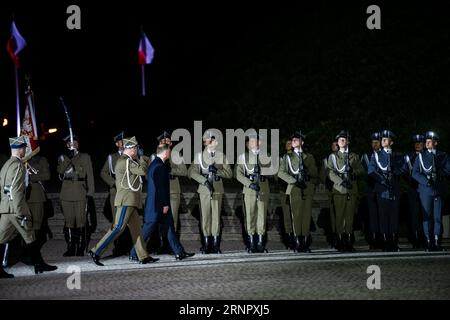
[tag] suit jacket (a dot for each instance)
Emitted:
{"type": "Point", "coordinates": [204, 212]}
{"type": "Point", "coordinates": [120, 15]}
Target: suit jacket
{"type": "Point", "coordinates": [442, 163]}
{"type": "Point", "coordinates": [158, 188]}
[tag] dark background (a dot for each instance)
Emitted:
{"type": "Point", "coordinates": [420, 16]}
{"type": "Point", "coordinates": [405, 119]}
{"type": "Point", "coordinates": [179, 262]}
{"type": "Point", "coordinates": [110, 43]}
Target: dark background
{"type": "Point", "coordinates": [294, 65]}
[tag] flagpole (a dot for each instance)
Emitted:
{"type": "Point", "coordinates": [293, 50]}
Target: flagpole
{"type": "Point", "coordinates": [17, 100]}
{"type": "Point", "coordinates": [143, 79]}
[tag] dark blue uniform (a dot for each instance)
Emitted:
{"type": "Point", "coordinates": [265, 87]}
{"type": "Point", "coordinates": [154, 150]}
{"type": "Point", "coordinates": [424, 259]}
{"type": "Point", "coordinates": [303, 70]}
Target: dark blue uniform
{"type": "Point", "coordinates": [429, 170]}
{"type": "Point", "coordinates": [414, 207]}
{"type": "Point", "coordinates": [158, 196]}
{"type": "Point", "coordinates": [374, 220]}
{"type": "Point", "coordinates": [386, 169]}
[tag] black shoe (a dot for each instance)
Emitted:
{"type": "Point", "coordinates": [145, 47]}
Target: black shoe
{"type": "Point", "coordinates": [5, 275]}
{"type": "Point", "coordinates": [184, 255]}
{"type": "Point", "coordinates": [41, 267]}
{"type": "Point", "coordinates": [96, 259]}
{"type": "Point", "coordinates": [148, 260]}
{"type": "Point", "coordinates": [251, 244]}
{"type": "Point", "coordinates": [216, 245]}
{"type": "Point", "coordinates": [206, 247]}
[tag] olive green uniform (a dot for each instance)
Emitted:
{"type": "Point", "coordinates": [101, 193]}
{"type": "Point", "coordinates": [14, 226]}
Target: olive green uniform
{"type": "Point", "coordinates": [15, 215]}
{"type": "Point", "coordinates": [210, 204]}
{"type": "Point", "coordinates": [255, 203]}
{"type": "Point", "coordinates": [36, 193]}
{"type": "Point", "coordinates": [300, 201]}
{"type": "Point", "coordinates": [108, 175]}
{"type": "Point", "coordinates": [78, 183]}
{"type": "Point", "coordinates": [128, 201]}
{"type": "Point", "coordinates": [344, 200]}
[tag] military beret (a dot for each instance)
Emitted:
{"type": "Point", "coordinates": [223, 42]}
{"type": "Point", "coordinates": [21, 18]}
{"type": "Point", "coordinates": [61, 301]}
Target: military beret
{"type": "Point", "coordinates": [375, 136]}
{"type": "Point", "coordinates": [17, 142]}
{"type": "Point", "coordinates": [298, 135]}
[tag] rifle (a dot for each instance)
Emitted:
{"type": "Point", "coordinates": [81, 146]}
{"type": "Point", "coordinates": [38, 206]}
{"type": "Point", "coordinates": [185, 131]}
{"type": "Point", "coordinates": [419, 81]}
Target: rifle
{"type": "Point", "coordinates": [211, 177]}
{"type": "Point", "coordinates": [302, 176]}
{"type": "Point", "coordinates": [433, 177]}
{"type": "Point", "coordinates": [256, 176]}
{"type": "Point", "coordinates": [388, 178]}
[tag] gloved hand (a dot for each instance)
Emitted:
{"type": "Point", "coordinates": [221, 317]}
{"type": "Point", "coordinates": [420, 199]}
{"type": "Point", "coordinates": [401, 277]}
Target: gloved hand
{"type": "Point", "coordinates": [300, 184]}
{"type": "Point", "coordinates": [212, 168]}
{"type": "Point", "coordinates": [140, 152]}
{"type": "Point", "coordinates": [70, 153]}
{"type": "Point", "coordinates": [255, 187]}
{"type": "Point", "coordinates": [209, 186]}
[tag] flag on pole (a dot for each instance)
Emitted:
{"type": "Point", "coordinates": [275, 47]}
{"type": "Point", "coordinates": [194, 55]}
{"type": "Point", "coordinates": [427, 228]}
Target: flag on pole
{"type": "Point", "coordinates": [29, 127]}
{"type": "Point", "coordinates": [15, 43]}
{"type": "Point", "coordinates": [145, 50]}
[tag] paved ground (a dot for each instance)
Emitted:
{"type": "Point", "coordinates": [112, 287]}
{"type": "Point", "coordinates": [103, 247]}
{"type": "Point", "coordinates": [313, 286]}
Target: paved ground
{"type": "Point", "coordinates": [280, 274]}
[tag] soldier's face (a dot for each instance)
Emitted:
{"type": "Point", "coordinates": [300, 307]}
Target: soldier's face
{"type": "Point", "coordinates": [288, 145]}
{"type": "Point", "coordinates": [296, 143]}
{"type": "Point", "coordinates": [386, 142]}
{"type": "Point", "coordinates": [75, 145]}
{"type": "Point", "coordinates": [376, 145]}
{"type": "Point", "coordinates": [166, 141]}
{"type": "Point", "coordinates": [334, 147]}
{"type": "Point", "coordinates": [342, 142]}
{"type": "Point", "coordinates": [119, 144]}
{"type": "Point", "coordinates": [21, 152]}
{"type": "Point", "coordinates": [430, 144]}
{"type": "Point", "coordinates": [418, 146]}
{"type": "Point", "coordinates": [253, 144]}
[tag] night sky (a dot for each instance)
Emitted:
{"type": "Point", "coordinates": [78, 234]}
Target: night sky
{"type": "Point", "coordinates": [312, 65]}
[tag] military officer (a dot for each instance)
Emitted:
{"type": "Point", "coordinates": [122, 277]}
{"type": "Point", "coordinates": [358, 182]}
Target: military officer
{"type": "Point", "coordinates": [208, 169]}
{"type": "Point", "coordinates": [430, 167]}
{"type": "Point", "coordinates": [414, 206]}
{"type": "Point", "coordinates": [254, 178]}
{"type": "Point", "coordinates": [123, 243]}
{"type": "Point", "coordinates": [15, 215]}
{"type": "Point", "coordinates": [130, 168]}
{"type": "Point", "coordinates": [284, 201]}
{"type": "Point", "coordinates": [374, 220]}
{"type": "Point", "coordinates": [298, 169]}
{"type": "Point", "coordinates": [176, 169]}
{"type": "Point", "coordinates": [75, 171]}
{"type": "Point", "coordinates": [344, 168]}
{"type": "Point", "coordinates": [38, 173]}
{"type": "Point", "coordinates": [386, 167]}
{"type": "Point", "coordinates": [325, 180]}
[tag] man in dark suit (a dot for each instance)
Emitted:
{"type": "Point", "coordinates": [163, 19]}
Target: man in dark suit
{"type": "Point", "coordinates": [157, 207]}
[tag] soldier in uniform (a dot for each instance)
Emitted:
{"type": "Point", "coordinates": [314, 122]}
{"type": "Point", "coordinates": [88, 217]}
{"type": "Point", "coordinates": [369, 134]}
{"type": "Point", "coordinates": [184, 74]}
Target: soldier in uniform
{"type": "Point", "coordinates": [284, 201]}
{"type": "Point", "coordinates": [298, 169]}
{"type": "Point", "coordinates": [208, 169]}
{"type": "Point", "coordinates": [75, 171]}
{"type": "Point", "coordinates": [176, 170]}
{"type": "Point", "coordinates": [15, 215]}
{"type": "Point", "coordinates": [123, 243]}
{"type": "Point", "coordinates": [374, 219]}
{"type": "Point", "coordinates": [385, 168]}
{"type": "Point", "coordinates": [430, 167]}
{"type": "Point", "coordinates": [130, 168]}
{"type": "Point", "coordinates": [414, 206]}
{"type": "Point", "coordinates": [250, 173]}
{"type": "Point", "coordinates": [325, 180]}
{"type": "Point", "coordinates": [344, 168]}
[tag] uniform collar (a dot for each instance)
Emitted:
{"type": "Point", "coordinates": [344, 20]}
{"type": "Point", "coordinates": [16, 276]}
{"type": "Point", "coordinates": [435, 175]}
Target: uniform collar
{"type": "Point", "coordinates": [14, 156]}
{"type": "Point", "coordinates": [388, 150]}
{"type": "Point", "coordinates": [345, 151]}
{"type": "Point", "coordinates": [433, 151]}
{"type": "Point", "coordinates": [298, 150]}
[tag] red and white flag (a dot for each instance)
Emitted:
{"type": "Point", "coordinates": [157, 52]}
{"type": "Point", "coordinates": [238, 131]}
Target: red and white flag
{"type": "Point", "coordinates": [29, 127]}
{"type": "Point", "coordinates": [15, 43]}
{"type": "Point", "coordinates": [145, 50]}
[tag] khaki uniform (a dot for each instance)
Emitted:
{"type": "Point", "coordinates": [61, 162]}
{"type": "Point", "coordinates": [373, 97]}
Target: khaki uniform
{"type": "Point", "coordinates": [78, 183]}
{"type": "Point", "coordinates": [15, 215]}
{"type": "Point", "coordinates": [344, 200]}
{"type": "Point", "coordinates": [210, 204]}
{"type": "Point", "coordinates": [36, 193]}
{"type": "Point", "coordinates": [128, 201]}
{"type": "Point", "coordinates": [108, 175]}
{"type": "Point", "coordinates": [255, 203]}
{"type": "Point", "coordinates": [300, 202]}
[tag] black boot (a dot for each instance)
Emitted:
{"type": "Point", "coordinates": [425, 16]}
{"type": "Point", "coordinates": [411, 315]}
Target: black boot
{"type": "Point", "coordinates": [69, 236]}
{"type": "Point", "coordinates": [307, 241]}
{"type": "Point", "coordinates": [206, 246]}
{"type": "Point", "coordinates": [386, 244]}
{"type": "Point", "coordinates": [39, 263]}
{"type": "Point", "coordinates": [3, 273]}
{"type": "Point", "coordinates": [96, 258]}
{"type": "Point", "coordinates": [260, 245]}
{"type": "Point", "coordinates": [299, 244]}
{"type": "Point", "coordinates": [428, 245]}
{"type": "Point", "coordinates": [437, 244]}
{"type": "Point", "coordinates": [415, 240]}
{"type": "Point", "coordinates": [251, 244]}
{"type": "Point", "coordinates": [340, 242]}
{"type": "Point", "coordinates": [81, 243]}
{"type": "Point", "coordinates": [394, 246]}
{"type": "Point", "coordinates": [216, 244]}
{"type": "Point", "coordinates": [373, 241]}
{"type": "Point", "coordinates": [291, 241]}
